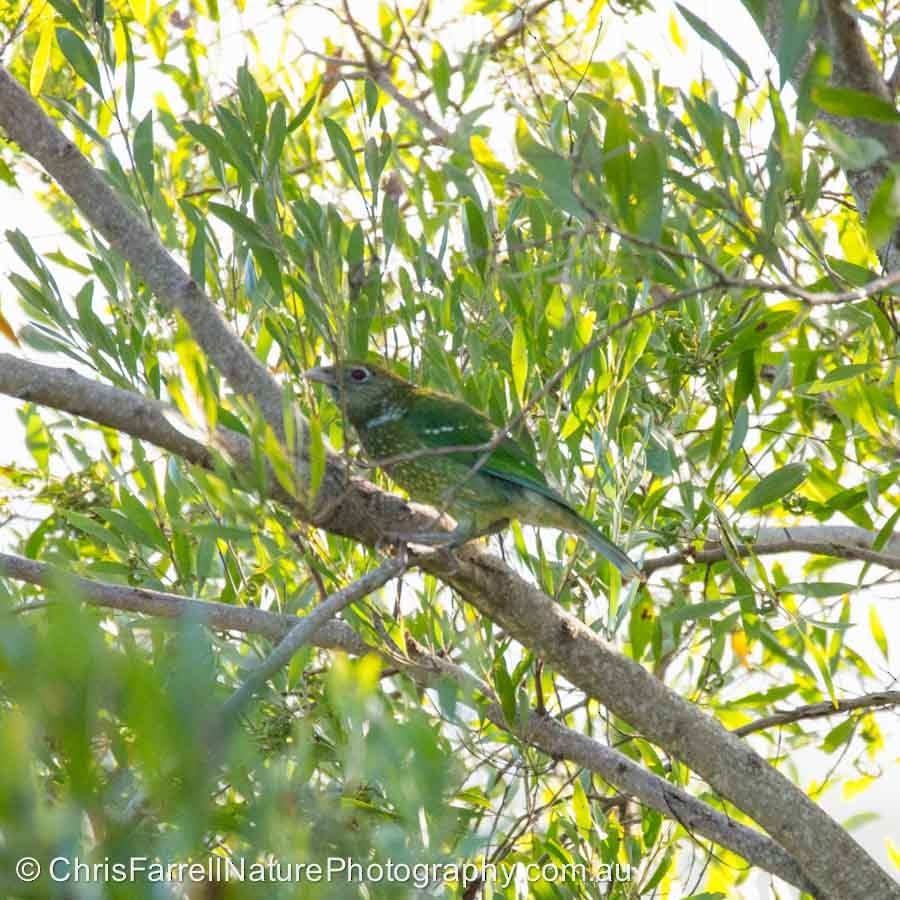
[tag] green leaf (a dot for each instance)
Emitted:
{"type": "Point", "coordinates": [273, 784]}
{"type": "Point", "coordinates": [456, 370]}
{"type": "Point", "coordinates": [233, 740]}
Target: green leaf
{"type": "Point", "coordinates": [390, 222]}
{"type": "Point", "coordinates": [302, 116]}
{"type": "Point", "coordinates": [617, 162]}
{"type": "Point", "coordinates": [839, 735]}
{"type": "Point", "coordinates": [798, 18]}
{"type": "Point", "coordinates": [581, 807]}
{"type": "Point", "coordinates": [704, 610]}
{"type": "Point", "coordinates": [129, 70]}
{"type": "Point", "coordinates": [440, 75]}
{"type": "Point", "coordinates": [103, 535]}
{"type": "Point", "coordinates": [476, 235]}
{"type": "Point", "coordinates": [637, 343]}
{"type": "Point", "coordinates": [209, 138]}
{"type": "Point", "coordinates": [555, 172]}
{"type": "Point", "coordinates": [884, 211]}
{"type": "Point", "coordinates": [243, 225]}
{"type": "Point", "coordinates": [739, 431]}
{"type": "Point", "coordinates": [854, 104]}
{"type": "Point", "coordinates": [41, 59]}
{"type": "Point", "coordinates": [519, 360]}
{"type": "Point", "coordinates": [647, 173]}
{"type": "Point", "coordinates": [253, 103]}
{"type": "Point", "coordinates": [886, 532]}
{"type": "Point", "coordinates": [775, 486]}
{"type": "Point", "coordinates": [878, 634]}
{"type": "Point", "coordinates": [277, 133]}
{"type": "Point", "coordinates": [746, 377]}
{"type": "Point", "coordinates": [840, 375]}
{"type": "Point", "coordinates": [716, 41]}
{"type": "Point", "coordinates": [316, 451]}
{"type": "Point", "coordinates": [505, 690]}
{"type": "Point", "coordinates": [760, 329]}
{"type": "Point", "coordinates": [37, 438]}
{"type": "Point", "coordinates": [80, 58]}
{"type": "Point", "coordinates": [343, 150]}
{"type": "Point", "coordinates": [143, 150]}
{"type": "Point", "coordinates": [851, 152]}
{"type": "Point", "coordinates": [143, 520]}
{"type": "Point", "coordinates": [372, 93]}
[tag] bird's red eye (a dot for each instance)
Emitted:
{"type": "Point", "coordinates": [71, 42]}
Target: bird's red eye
{"type": "Point", "coordinates": [359, 374]}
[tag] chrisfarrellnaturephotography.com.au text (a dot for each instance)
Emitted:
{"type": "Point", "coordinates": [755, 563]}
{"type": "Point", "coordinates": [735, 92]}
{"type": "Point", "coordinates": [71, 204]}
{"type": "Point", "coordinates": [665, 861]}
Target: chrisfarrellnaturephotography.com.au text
{"type": "Point", "coordinates": [61, 869]}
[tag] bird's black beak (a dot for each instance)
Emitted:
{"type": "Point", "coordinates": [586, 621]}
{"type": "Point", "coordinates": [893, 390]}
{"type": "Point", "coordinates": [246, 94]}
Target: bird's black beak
{"type": "Point", "coordinates": [323, 375]}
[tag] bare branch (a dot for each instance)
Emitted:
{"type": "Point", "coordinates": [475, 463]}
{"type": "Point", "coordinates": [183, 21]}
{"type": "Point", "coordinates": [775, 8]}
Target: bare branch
{"type": "Point", "coordinates": [247, 619]}
{"type": "Point", "coordinates": [381, 76]}
{"type": "Point", "coordinates": [65, 389]}
{"type": "Point", "coordinates": [821, 710]}
{"type": "Point", "coordinates": [840, 541]}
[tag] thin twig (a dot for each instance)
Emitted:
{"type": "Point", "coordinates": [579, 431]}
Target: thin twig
{"type": "Point", "coordinates": [303, 632]}
{"type": "Point", "coordinates": [821, 710]}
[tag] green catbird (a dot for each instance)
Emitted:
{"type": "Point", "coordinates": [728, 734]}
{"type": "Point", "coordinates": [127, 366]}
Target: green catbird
{"type": "Point", "coordinates": [396, 418]}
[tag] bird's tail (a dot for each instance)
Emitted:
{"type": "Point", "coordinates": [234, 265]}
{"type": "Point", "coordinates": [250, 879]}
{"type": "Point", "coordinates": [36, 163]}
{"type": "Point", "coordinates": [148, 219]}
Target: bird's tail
{"type": "Point", "coordinates": [601, 544]}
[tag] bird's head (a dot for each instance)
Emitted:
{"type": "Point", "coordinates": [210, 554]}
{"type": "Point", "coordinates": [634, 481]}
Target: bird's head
{"type": "Point", "coordinates": [364, 389]}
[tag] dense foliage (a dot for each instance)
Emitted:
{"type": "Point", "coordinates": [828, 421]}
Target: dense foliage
{"type": "Point", "coordinates": [653, 284]}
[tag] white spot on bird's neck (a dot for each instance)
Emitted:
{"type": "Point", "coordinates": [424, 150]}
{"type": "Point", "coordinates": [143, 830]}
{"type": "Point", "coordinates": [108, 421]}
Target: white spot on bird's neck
{"type": "Point", "coordinates": [392, 414]}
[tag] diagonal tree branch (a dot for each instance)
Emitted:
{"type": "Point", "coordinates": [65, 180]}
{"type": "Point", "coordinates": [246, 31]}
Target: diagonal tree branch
{"type": "Point", "coordinates": [541, 731]}
{"type": "Point", "coordinates": [561, 742]}
{"type": "Point", "coordinates": [304, 631]}
{"type": "Point", "coordinates": [246, 619]}
{"type": "Point", "coordinates": [723, 760]}
{"type": "Point", "coordinates": [66, 390]}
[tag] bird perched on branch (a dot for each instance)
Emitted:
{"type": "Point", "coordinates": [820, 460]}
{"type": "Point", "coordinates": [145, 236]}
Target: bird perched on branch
{"type": "Point", "coordinates": [442, 452]}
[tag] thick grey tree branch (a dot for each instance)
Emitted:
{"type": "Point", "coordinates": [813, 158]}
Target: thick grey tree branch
{"type": "Point", "coordinates": [840, 541]}
{"type": "Point", "coordinates": [33, 130]}
{"type": "Point", "coordinates": [730, 766]}
{"type": "Point", "coordinates": [541, 731]}
{"type": "Point", "coordinates": [67, 391]}
{"type": "Point", "coordinates": [246, 619]}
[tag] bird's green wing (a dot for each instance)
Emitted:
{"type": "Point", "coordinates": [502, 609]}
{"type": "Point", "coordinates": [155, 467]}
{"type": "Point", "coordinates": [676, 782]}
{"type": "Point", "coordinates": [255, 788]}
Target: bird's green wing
{"type": "Point", "coordinates": [442, 421]}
